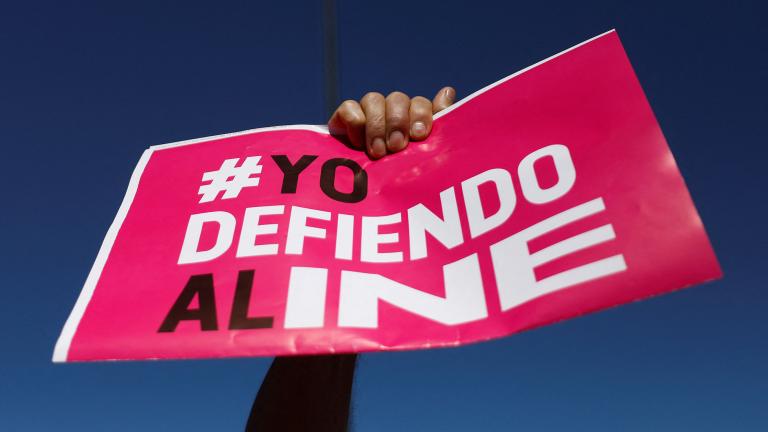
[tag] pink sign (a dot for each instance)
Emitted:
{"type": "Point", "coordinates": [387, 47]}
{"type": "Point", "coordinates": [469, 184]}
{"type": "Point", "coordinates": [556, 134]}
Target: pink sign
{"type": "Point", "coordinates": [545, 196]}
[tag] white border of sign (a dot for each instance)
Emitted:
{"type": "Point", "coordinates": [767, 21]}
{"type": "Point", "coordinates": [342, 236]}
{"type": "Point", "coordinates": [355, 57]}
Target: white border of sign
{"type": "Point", "coordinates": [61, 350]}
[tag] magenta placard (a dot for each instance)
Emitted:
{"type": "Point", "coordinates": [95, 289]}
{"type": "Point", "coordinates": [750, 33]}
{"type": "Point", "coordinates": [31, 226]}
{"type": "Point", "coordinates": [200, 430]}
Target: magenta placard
{"type": "Point", "coordinates": [549, 194]}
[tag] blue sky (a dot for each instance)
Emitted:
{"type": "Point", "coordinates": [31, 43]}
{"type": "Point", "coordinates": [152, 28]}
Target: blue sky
{"type": "Point", "coordinates": [86, 86]}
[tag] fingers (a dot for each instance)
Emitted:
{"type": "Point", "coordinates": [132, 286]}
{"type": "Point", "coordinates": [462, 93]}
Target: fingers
{"type": "Point", "coordinates": [385, 125]}
{"type": "Point", "coordinates": [443, 99]}
{"type": "Point", "coordinates": [374, 107]}
{"type": "Point", "coordinates": [349, 120]}
{"type": "Point", "coordinates": [397, 121]}
{"type": "Point", "coordinates": [421, 118]}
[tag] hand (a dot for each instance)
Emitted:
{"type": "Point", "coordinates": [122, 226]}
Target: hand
{"type": "Point", "coordinates": [385, 125]}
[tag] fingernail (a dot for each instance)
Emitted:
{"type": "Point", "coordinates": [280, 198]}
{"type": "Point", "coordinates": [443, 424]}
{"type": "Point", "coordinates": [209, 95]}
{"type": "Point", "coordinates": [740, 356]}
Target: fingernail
{"type": "Point", "coordinates": [418, 129]}
{"type": "Point", "coordinates": [396, 141]}
{"type": "Point", "coordinates": [378, 148]}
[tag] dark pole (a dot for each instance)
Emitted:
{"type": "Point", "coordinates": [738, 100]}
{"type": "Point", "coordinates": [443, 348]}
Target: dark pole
{"type": "Point", "coordinates": [309, 393]}
{"type": "Point", "coordinates": [330, 57]}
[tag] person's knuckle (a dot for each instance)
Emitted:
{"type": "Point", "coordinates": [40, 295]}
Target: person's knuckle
{"type": "Point", "coordinates": [356, 120]}
{"type": "Point", "coordinates": [397, 96]}
{"type": "Point", "coordinates": [421, 106]}
{"type": "Point", "coordinates": [375, 122]}
{"type": "Point", "coordinates": [348, 105]}
{"type": "Point", "coordinates": [372, 97]}
{"type": "Point", "coordinates": [397, 118]}
{"type": "Point", "coordinates": [352, 118]}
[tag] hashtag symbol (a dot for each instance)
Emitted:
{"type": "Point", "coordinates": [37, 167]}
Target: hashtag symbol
{"type": "Point", "coordinates": [230, 178]}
